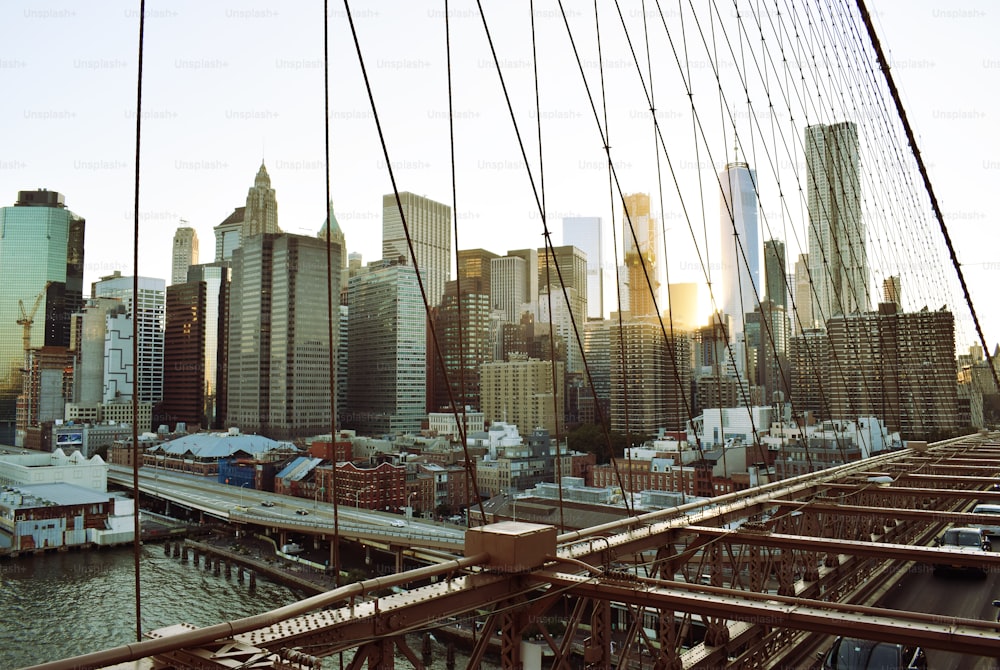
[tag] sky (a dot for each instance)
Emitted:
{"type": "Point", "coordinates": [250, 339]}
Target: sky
{"type": "Point", "coordinates": [229, 85]}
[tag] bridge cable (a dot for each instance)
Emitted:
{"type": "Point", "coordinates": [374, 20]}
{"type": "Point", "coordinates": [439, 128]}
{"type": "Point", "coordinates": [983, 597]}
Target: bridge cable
{"type": "Point", "coordinates": [550, 260]}
{"type": "Point", "coordinates": [137, 529]}
{"type": "Point", "coordinates": [334, 478]}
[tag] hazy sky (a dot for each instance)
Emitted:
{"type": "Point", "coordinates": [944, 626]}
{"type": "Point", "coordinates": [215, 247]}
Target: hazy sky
{"type": "Point", "coordinates": [229, 84]}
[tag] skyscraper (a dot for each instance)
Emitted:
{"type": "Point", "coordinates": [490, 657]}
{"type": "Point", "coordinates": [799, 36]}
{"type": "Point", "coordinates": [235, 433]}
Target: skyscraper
{"type": "Point", "coordinates": [802, 297]}
{"type": "Point", "coordinates": [258, 215]}
{"type": "Point", "coordinates": [184, 355]}
{"type": "Point", "coordinates": [462, 325]}
{"type": "Point", "coordinates": [775, 282]}
{"type": "Point", "coordinates": [279, 346]}
{"type": "Point", "coordinates": [650, 378]}
{"type": "Point", "coordinates": [41, 261]}
{"type": "Point", "coordinates": [261, 213]}
{"type": "Point", "coordinates": [570, 263]}
{"type": "Point", "coordinates": [149, 308]}
{"type": "Point", "coordinates": [387, 350]}
{"type": "Point", "coordinates": [514, 284]}
{"type": "Point", "coordinates": [838, 257]}
{"type": "Point", "coordinates": [194, 387]}
{"type": "Point", "coordinates": [429, 224]}
{"type": "Point", "coordinates": [185, 253]}
{"type": "Point", "coordinates": [91, 329]}
{"type": "Point", "coordinates": [899, 366]}
{"type": "Point", "coordinates": [585, 233]}
{"type": "Point", "coordinates": [639, 235]}
{"type": "Point", "coordinates": [740, 281]}
{"type": "Point", "coordinates": [519, 391]}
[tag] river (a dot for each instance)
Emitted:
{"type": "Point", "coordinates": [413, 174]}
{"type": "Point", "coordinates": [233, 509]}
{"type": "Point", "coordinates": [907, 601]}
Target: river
{"type": "Point", "coordinates": [62, 604]}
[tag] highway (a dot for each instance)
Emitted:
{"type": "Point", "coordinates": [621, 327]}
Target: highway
{"type": "Point", "coordinates": [953, 596]}
{"type": "Point", "coordinates": [246, 505]}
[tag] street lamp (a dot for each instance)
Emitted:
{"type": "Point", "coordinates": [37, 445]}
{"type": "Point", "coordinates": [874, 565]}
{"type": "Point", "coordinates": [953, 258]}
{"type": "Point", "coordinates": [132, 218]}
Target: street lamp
{"type": "Point", "coordinates": [319, 489]}
{"type": "Point", "coordinates": [242, 486]}
{"type": "Point", "coordinates": [357, 495]}
{"type": "Point", "coordinates": [409, 505]}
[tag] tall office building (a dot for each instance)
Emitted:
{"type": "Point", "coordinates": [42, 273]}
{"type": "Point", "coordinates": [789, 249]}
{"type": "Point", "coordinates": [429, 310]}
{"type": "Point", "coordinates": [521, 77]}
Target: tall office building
{"type": "Point", "coordinates": [462, 325]}
{"type": "Point", "coordinates": [261, 213]}
{"type": "Point", "coordinates": [184, 355]}
{"type": "Point", "coordinates": [194, 387]}
{"type": "Point", "coordinates": [90, 329]}
{"type": "Point", "coordinates": [387, 349]}
{"type": "Point", "coordinates": [639, 235]}
{"type": "Point", "coordinates": [766, 339]}
{"type": "Point", "coordinates": [775, 275]}
{"type": "Point", "coordinates": [586, 233]}
{"type": "Point", "coordinates": [429, 225]}
{"type": "Point", "coordinates": [802, 297]}
{"type": "Point", "coordinates": [808, 353]}
{"type": "Point", "coordinates": [149, 309]}
{"type": "Point", "coordinates": [342, 361]}
{"type": "Point", "coordinates": [278, 381]}
{"type": "Point", "coordinates": [48, 387]}
{"type": "Point", "coordinates": [41, 260]}
{"type": "Point", "coordinates": [514, 284]}
{"type": "Point", "coordinates": [569, 306]}
{"type": "Point", "coordinates": [476, 264]}
{"type": "Point", "coordinates": [597, 347]}
{"type": "Point", "coordinates": [185, 253]}
{"type": "Point", "coordinates": [740, 277]}
{"type": "Point", "coordinates": [650, 379]}
{"type": "Point", "coordinates": [898, 366]}
{"type": "Point", "coordinates": [838, 257]}
{"type": "Point", "coordinates": [519, 391]}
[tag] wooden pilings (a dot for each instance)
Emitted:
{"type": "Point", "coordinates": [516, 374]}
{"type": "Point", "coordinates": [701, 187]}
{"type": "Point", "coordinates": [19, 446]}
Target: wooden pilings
{"type": "Point", "coordinates": [217, 565]}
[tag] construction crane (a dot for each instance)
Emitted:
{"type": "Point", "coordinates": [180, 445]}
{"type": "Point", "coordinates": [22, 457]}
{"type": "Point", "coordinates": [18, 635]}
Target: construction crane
{"type": "Point", "coordinates": [27, 319]}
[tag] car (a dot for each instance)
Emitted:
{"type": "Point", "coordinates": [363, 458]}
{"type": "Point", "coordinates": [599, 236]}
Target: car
{"type": "Point", "coordinates": [398, 523]}
{"type": "Point", "coordinates": [993, 530]}
{"type": "Point", "coordinates": [301, 511]}
{"type": "Point", "coordinates": [966, 540]}
{"type": "Point", "coordinates": [851, 653]}
{"type": "Point", "coordinates": [266, 503]}
{"type": "Point", "coordinates": [240, 508]}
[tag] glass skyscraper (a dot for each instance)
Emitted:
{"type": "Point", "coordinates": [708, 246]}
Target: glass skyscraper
{"type": "Point", "coordinates": [41, 286]}
{"type": "Point", "coordinates": [838, 257]}
{"type": "Point", "coordinates": [387, 349]}
{"type": "Point", "coordinates": [585, 233]}
{"type": "Point", "coordinates": [740, 286]}
{"type": "Point", "coordinates": [429, 225]}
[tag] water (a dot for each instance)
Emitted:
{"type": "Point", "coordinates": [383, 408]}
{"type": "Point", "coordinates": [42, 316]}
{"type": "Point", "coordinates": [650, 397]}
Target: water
{"type": "Point", "coordinates": [62, 604]}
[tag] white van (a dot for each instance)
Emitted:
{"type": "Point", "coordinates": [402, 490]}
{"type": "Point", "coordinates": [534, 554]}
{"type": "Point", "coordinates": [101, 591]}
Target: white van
{"type": "Point", "coordinates": [993, 510]}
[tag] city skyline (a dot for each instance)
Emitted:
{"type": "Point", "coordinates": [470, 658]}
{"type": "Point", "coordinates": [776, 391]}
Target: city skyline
{"type": "Point", "coordinates": [188, 177]}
